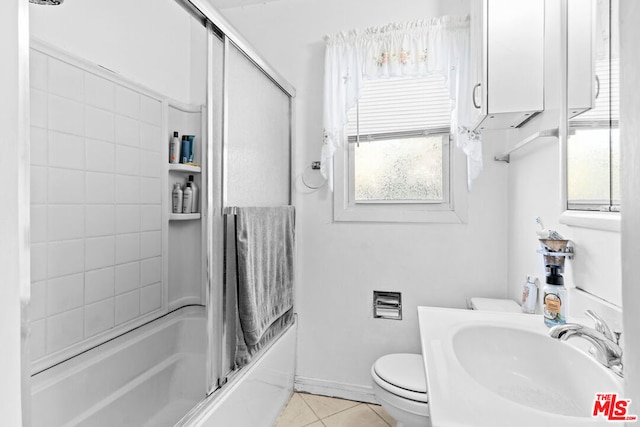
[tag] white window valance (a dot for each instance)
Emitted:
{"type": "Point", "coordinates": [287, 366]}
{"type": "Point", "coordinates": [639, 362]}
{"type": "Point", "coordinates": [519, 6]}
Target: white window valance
{"type": "Point", "coordinates": [410, 49]}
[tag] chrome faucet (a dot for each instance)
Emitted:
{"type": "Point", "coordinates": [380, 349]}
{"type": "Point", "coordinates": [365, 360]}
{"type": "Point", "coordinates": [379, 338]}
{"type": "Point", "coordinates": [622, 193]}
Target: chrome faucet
{"type": "Point", "coordinates": [603, 339]}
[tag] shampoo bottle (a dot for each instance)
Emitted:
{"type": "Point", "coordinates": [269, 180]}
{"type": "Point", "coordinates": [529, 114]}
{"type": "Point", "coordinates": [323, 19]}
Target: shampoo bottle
{"type": "Point", "coordinates": [191, 139]}
{"type": "Point", "coordinates": [194, 196]}
{"type": "Point", "coordinates": [184, 152]}
{"type": "Point", "coordinates": [529, 296]}
{"type": "Point", "coordinates": [177, 198]}
{"type": "Point", "coordinates": [174, 149]}
{"type": "Point", "coordinates": [554, 298]}
{"type": "Point", "coordinates": [187, 199]}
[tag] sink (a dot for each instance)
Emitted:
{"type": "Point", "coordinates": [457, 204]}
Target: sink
{"type": "Point", "coordinates": [502, 369]}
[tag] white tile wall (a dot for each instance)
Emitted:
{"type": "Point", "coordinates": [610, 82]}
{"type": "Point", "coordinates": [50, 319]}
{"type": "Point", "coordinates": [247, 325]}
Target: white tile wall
{"type": "Point", "coordinates": [99, 220]}
{"type": "Point", "coordinates": [65, 222]}
{"type": "Point", "coordinates": [38, 146]}
{"type": "Point", "coordinates": [37, 340]}
{"type": "Point", "coordinates": [66, 151]}
{"type": "Point", "coordinates": [38, 223]}
{"type": "Point", "coordinates": [65, 115]}
{"type": "Point", "coordinates": [127, 306]}
{"type": "Point", "coordinates": [99, 92]}
{"type": "Point", "coordinates": [127, 102]}
{"type": "Point", "coordinates": [98, 317]}
{"type": "Point", "coordinates": [100, 156]}
{"type": "Point", "coordinates": [65, 293]}
{"type": "Point", "coordinates": [99, 284]}
{"type": "Point", "coordinates": [64, 329]}
{"type": "Point", "coordinates": [96, 222]}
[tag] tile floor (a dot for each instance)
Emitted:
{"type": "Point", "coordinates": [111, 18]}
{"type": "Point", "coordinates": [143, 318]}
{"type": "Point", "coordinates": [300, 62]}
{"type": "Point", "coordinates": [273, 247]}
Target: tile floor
{"type": "Point", "coordinates": [317, 411]}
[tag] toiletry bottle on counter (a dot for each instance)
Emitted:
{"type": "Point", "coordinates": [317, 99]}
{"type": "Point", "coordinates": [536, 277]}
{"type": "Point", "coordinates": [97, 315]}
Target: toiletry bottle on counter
{"type": "Point", "coordinates": [174, 149]}
{"type": "Point", "coordinates": [187, 199]}
{"type": "Point", "coordinates": [176, 197]}
{"type": "Point", "coordinates": [554, 298]}
{"type": "Point", "coordinates": [194, 197]}
{"type": "Point", "coordinates": [529, 296]}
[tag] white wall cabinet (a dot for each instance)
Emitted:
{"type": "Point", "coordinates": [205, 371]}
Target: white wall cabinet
{"type": "Point", "coordinates": [507, 62]}
{"type": "Point", "coordinates": [582, 85]}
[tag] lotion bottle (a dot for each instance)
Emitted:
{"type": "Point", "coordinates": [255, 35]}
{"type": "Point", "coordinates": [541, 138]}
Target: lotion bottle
{"type": "Point", "coordinates": [177, 198]}
{"type": "Point", "coordinates": [187, 199]}
{"type": "Point", "coordinates": [194, 196]}
{"type": "Point", "coordinates": [529, 296]}
{"type": "Point", "coordinates": [174, 149]}
{"type": "Point", "coordinates": [554, 298]}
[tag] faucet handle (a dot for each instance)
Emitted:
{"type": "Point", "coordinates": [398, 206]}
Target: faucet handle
{"type": "Point", "coordinates": [602, 327]}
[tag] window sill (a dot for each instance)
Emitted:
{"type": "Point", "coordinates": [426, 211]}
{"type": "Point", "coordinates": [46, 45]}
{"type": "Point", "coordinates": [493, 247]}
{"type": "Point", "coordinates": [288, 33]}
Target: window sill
{"type": "Point", "coordinates": [607, 221]}
{"type": "Point", "coordinates": [376, 213]}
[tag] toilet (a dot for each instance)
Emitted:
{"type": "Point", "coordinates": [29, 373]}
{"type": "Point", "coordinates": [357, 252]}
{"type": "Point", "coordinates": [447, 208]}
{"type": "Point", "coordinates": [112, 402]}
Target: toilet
{"type": "Point", "coordinates": [400, 381]}
{"type": "Point", "coordinates": [400, 385]}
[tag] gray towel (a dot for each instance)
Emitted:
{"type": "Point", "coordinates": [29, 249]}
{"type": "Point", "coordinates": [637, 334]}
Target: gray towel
{"type": "Point", "coordinates": [264, 242]}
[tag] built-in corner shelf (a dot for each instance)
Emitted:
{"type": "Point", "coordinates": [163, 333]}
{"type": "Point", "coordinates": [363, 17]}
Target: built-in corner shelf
{"type": "Point", "coordinates": [184, 217]}
{"type": "Point", "coordinates": [180, 167]}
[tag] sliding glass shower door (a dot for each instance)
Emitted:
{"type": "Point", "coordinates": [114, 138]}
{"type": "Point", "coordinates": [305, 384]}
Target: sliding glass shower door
{"type": "Point", "coordinates": [250, 165]}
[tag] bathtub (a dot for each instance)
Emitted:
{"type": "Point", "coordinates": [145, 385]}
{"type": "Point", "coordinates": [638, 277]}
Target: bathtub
{"type": "Point", "coordinates": [156, 374]}
{"type": "Point", "coordinates": [151, 376]}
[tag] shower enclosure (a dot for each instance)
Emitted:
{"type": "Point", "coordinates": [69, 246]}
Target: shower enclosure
{"type": "Point", "coordinates": [120, 284]}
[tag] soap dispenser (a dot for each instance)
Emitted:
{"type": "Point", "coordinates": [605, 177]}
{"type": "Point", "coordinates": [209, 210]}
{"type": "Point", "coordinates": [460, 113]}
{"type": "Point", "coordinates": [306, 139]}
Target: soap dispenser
{"type": "Point", "coordinates": [554, 297]}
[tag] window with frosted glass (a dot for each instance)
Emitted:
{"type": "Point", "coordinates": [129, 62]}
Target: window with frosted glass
{"type": "Point", "coordinates": [399, 138]}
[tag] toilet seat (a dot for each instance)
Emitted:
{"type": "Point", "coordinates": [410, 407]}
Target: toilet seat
{"type": "Point", "coordinates": [401, 374]}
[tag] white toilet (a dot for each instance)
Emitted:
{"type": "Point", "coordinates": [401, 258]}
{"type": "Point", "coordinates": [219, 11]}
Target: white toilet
{"type": "Point", "coordinates": [400, 385]}
{"type": "Point", "coordinates": [400, 381]}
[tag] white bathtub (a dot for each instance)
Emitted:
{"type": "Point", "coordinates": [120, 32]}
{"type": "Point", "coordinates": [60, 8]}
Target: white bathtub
{"type": "Point", "coordinates": [156, 374]}
{"type": "Point", "coordinates": [151, 376]}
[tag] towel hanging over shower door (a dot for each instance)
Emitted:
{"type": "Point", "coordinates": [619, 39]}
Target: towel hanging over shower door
{"type": "Point", "coordinates": [264, 250]}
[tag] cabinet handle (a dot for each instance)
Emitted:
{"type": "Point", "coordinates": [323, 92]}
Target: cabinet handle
{"type": "Point", "coordinates": [597, 87]}
{"type": "Point", "coordinates": [473, 95]}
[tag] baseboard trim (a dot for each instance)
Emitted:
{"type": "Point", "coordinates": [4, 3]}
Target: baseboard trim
{"type": "Point", "coordinates": [335, 389]}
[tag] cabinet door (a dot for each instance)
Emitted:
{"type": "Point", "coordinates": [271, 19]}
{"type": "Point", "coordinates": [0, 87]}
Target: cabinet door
{"type": "Point", "coordinates": [515, 31]}
{"type": "Point", "coordinates": [478, 10]}
{"type": "Point", "coordinates": [581, 80]}
{"type": "Point", "coordinates": [507, 59]}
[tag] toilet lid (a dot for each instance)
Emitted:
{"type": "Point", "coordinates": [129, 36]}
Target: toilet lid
{"type": "Point", "coordinates": [402, 370]}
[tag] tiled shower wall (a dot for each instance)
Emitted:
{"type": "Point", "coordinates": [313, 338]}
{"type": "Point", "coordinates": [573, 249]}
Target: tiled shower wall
{"type": "Point", "coordinates": [96, 218]}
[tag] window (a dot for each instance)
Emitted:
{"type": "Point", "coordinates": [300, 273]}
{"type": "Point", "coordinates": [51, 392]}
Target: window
{"type": "Point", "coordinates": [593, 146]}
{"type": "Point", "coordinates": [398, 164]}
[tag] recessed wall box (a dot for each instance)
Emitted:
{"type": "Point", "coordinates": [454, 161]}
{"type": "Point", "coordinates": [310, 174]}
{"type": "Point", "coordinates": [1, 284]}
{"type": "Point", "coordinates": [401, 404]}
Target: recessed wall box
{"type": "Point", "coordinates": [387, 305]}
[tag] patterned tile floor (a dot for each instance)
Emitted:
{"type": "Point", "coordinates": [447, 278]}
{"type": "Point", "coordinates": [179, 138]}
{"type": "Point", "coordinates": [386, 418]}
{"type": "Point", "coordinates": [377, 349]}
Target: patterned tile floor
{"type": "Point", "coordinates": [318, 411]}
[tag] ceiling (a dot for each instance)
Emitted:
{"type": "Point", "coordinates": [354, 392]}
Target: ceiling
{"type": "Point", "coordinates": [227, 4]}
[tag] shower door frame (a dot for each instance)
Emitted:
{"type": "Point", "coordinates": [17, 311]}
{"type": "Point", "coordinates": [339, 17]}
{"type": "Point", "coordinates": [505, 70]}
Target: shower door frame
{"type": "Point", "coordinates": [218, 362]}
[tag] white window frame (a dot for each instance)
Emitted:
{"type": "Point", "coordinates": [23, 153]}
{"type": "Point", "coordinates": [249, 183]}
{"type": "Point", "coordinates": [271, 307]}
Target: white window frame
{"type": "Point", "coordinates": [345, 208]}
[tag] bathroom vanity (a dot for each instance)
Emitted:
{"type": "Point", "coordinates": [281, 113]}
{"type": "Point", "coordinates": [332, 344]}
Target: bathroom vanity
{"type": "Point", "coordinates": [503, 369]}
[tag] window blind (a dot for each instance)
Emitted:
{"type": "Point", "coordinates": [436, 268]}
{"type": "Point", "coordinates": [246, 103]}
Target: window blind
{"type": "Point", "coordinates": [396, 108]}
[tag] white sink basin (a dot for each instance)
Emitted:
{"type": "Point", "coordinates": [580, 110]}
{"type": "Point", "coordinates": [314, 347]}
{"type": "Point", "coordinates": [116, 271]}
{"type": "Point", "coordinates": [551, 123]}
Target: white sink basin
{"type": "Point", "coordinates": [502, 369]}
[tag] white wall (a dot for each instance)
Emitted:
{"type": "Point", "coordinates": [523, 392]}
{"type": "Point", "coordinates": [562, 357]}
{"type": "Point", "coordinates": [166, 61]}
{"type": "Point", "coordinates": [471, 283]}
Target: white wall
{"type": "Point", "coordinates": [146, 41]}
{"type": "Point", "coordinates": [630, 129]}
{"type": "Point", "coordinates": [340, 264]}
{"type": "Point", "coordinates": [534, 190]}
{"type": "Point", "coordinates": [14, 263]}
